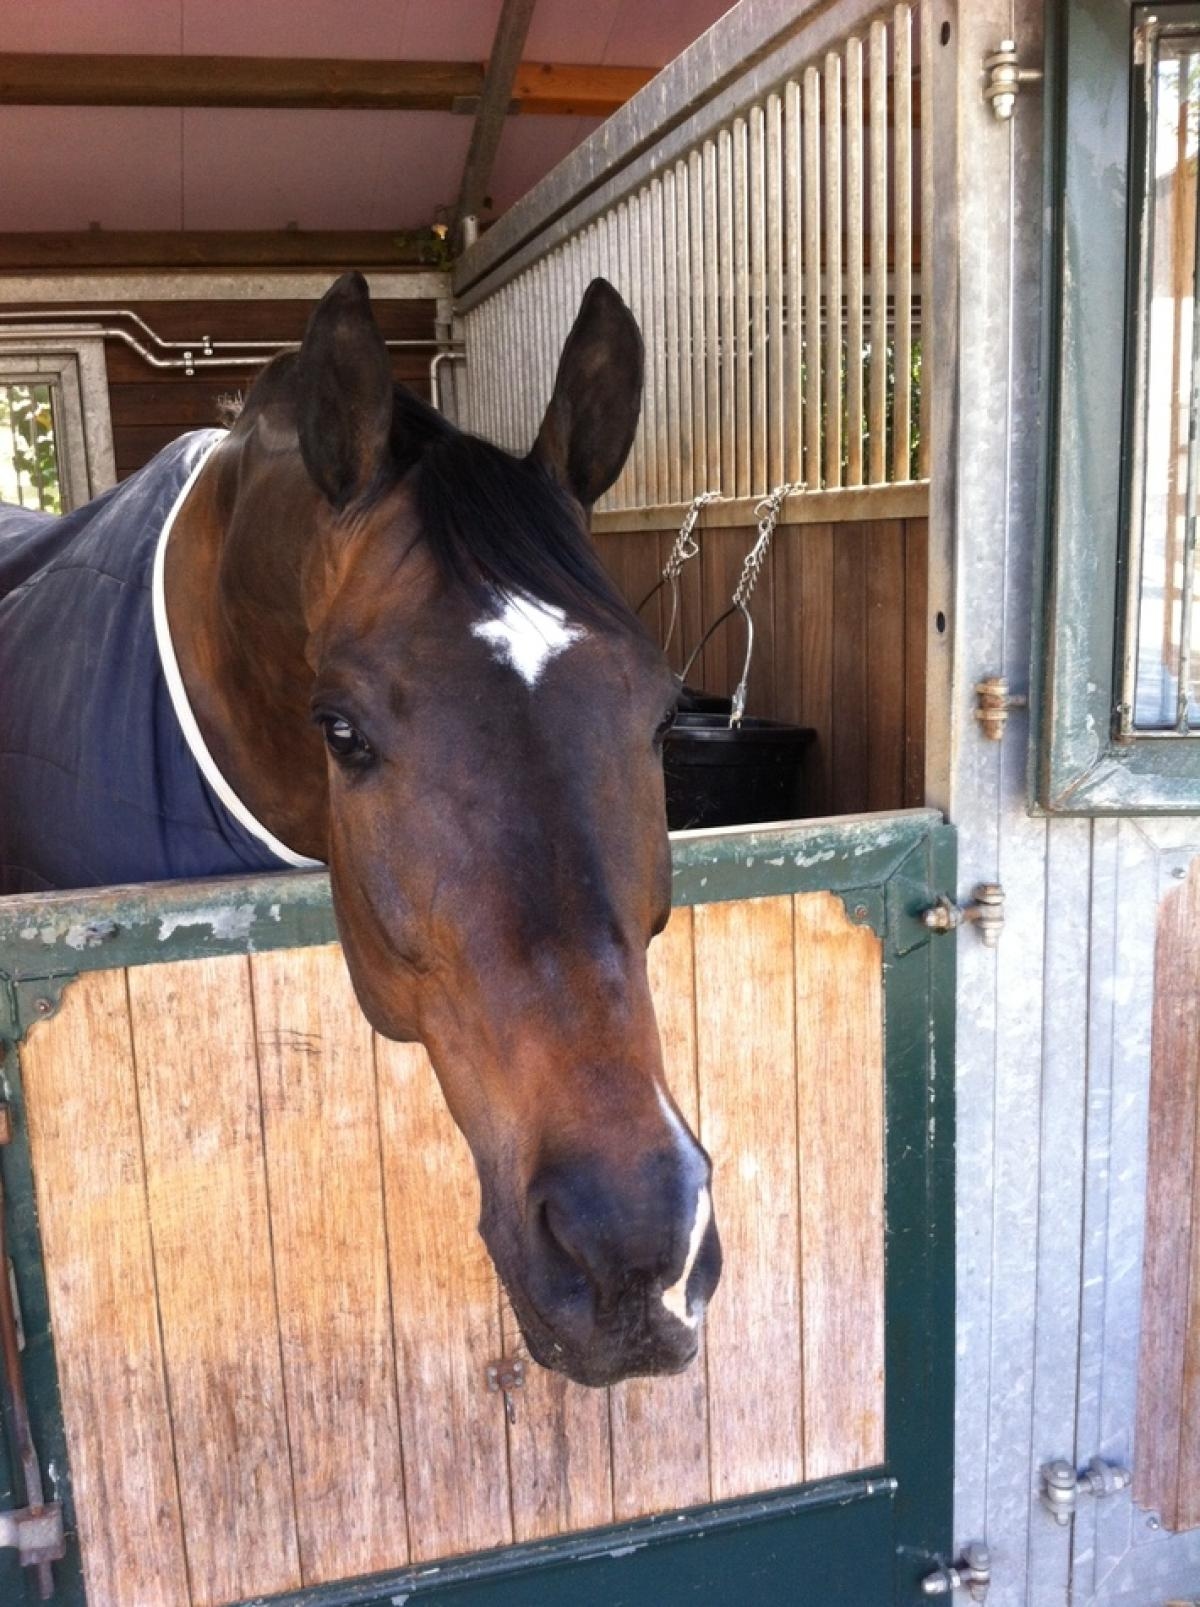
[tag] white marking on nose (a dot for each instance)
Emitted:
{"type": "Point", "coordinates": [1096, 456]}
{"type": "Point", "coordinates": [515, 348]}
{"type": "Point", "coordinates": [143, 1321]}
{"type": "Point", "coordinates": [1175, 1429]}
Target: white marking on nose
{"type": "Point", "coordinates": [527, 634]}
{"type": "Point", "coordinates": [675, 1298]}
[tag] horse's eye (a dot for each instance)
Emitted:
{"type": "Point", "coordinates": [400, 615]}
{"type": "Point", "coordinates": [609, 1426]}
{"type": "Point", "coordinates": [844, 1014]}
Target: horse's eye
{"type": "Point", "coordinates": [344, 742]}
{"type": "Point", "coordinates": [663, 726]}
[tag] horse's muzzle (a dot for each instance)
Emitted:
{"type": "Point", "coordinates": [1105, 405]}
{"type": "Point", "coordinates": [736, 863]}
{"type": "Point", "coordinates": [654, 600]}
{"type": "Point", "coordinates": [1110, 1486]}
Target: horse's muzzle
{"type": "Point", "coordinates": [617, 1269]}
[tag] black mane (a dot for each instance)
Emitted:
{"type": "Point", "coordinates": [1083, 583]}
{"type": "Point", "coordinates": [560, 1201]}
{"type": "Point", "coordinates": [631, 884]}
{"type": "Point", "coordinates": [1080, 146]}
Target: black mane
{"type": "Point", "coordinates": [497, 523]}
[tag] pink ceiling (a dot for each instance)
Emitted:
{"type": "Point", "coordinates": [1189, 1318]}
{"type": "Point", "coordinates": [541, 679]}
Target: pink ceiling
{"type": "Point", "coordinates": [146, 168]}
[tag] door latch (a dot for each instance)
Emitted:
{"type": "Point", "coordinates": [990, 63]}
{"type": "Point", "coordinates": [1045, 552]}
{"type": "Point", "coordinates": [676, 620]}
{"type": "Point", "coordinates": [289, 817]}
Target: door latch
{"type": "Point", "coordinates": [1062, 1486]}
{"type": "Point", "coordinates": [985, 911]}
{"type": "Point", "coordinates": [994, 701]}
{"type": "Point", "coordinates": [1005, 77]}
{"type": "Point", "coordinates": [973, 1573]}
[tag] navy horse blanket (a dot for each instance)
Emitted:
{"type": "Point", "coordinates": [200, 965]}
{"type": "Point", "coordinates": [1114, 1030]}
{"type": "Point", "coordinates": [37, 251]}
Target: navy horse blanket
{"type": "Point", "coordinates": [104, 776]}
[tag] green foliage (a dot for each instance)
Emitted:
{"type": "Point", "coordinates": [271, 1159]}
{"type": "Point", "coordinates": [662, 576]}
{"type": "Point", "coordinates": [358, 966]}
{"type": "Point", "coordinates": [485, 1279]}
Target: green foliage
{"type": "Point", "coordinates": [29, 473]}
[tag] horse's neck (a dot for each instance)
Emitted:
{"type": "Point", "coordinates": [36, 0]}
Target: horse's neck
{"type": "Point", "coordinates": [234, 605]}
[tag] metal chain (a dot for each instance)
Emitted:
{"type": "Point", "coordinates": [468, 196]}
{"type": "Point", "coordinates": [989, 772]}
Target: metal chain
{"type": "Point", "coordinates": [686, 546]}
{"type": "Point", "coordinates": [767, 511]}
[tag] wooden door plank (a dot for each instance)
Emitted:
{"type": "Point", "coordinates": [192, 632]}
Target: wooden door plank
{"type": "Point", "coordinates": [745, 1051]}
{"type": "Point", "coordinates": [791, 625]}
{"type": "Point", "coordinates": [660, 1425]}
{"type": "Point", "coordinates": [916, 633]}
{"type": "Point", "coordinates": [1167, 1465]}
{"type": "Point", "coordinates": [816, 660]}
{"type": "Point", "coordinates": [839, 1034]}
{"type": "Point", "coordinates": [445, 1315]}
{"type": "Point", "coordinates": [848, 790]}
{"type": "Point", "coordinates": [197, 1076]}
{"type": "Point", "coordinates": [326, 1198]}
{"type": "Point", "coordinates": [100, 1279]}
{"type": "Point", "coordinates": [883, 779]}
{"type": "Point", "coordinates": [559, 1451]}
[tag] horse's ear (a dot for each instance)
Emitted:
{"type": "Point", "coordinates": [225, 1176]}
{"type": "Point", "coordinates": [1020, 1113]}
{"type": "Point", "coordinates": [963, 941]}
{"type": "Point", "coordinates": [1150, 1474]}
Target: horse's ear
{"type": "Point", "coordinates": [589, 426]}
{"type": "Point", "coordinates": [344, 379]}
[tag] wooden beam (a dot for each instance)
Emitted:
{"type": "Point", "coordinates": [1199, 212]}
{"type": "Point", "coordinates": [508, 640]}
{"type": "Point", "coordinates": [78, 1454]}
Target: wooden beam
{"type": "Point", "coordinates": [537, 88]}
{"type": "Point", "coordinates": [239, 248]}
{"type": "Point", "coordinates": [515, 16]}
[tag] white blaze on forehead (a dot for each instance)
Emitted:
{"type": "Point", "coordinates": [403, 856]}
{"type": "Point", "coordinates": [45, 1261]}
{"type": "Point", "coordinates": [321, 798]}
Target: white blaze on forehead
{"type": "Point", "coordinates": [527, 634]}
{"type": "Point", "coordinates": [675, 1298]}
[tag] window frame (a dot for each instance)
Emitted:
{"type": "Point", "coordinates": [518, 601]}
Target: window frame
{"type": "Point", "coordinates": [1081, 762]}
{"type": "Point", "coordinates": [74, 367]}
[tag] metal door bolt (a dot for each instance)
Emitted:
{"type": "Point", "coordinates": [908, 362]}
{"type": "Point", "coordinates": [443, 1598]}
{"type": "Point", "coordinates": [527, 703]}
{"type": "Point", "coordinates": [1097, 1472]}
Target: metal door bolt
{"type": "Point", "coordinates": [1005, 77]}
{"type": "Point", "coordinates": [1062, 1486]}
{"type": "Point", "coordinates": [972, 1574]}
{"type": "Point", "coordinates": [986, 912]}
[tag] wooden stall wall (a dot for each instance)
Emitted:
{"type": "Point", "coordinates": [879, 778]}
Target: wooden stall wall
{"type": "Point", "coordinates": [152, 406]}
{"type": "Point", "coordinates": [1168, 1424]}
{"type": "Point", "coordinates": [273, 1314]}
{"type": "Point", "coordinates": [840, 642]}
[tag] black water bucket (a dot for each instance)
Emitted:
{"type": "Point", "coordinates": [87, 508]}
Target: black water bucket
{"type": "Point", "coordinates": [719, 774]}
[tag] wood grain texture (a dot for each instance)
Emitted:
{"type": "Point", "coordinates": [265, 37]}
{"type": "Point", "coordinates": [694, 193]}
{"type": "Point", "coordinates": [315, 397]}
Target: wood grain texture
{"type": "Point", "coordinates": [445, 1315]}
{"type": "Point", "coordinates": [916, 613]}
{"type": "Point", "coordinates": [839, 1053]}
{"type": "Point", "coordinates": [849, 744]}
{"type": "Point", "coordinates": [81, 1105]}
{"type": "Point", "coordinates": [886, 725]}
{"type": "Point", "coordinates": [660, 1425]}
{"type": "Point", "coordinates": [326, 1192]}
{"type": "Point", "coordinates": [1167, 1447]}
{"type": "Point", "coordinates": [559, 1451]}
{"type": "Point", "coordinates": [193, 1036]}
{"type": "Point", "coordinates": [745, 1050]}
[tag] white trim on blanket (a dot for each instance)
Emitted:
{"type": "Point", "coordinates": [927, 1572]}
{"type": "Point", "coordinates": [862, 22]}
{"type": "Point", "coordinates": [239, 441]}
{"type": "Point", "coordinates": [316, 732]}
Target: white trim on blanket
{"type": "Point", "coordinates": [182, 705]}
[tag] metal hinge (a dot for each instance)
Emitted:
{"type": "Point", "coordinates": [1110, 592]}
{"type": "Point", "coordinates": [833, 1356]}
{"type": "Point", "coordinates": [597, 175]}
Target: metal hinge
{"type": "Point", "coordinates": [972, 1573]}
{"type": "Point", "coordinates": [994, 701]}
{"type": "Point", "coordinates": [1062, 1486]}
{"type": "Point", "coordinates": [985, 912]}
{"type": "Point", "coordinates": [1005, 77]}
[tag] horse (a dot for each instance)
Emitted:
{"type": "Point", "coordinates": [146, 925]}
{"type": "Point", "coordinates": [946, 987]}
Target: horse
{"type": "Point", "coordinates": [348, 632]}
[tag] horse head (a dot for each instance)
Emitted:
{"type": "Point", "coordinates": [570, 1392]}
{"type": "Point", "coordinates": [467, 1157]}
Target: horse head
{"type": "Point", "coordinates": [480, 765]}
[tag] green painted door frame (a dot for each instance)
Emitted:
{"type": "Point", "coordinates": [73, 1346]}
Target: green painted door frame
{"type": "Point", "coordinates": [864, 1541]}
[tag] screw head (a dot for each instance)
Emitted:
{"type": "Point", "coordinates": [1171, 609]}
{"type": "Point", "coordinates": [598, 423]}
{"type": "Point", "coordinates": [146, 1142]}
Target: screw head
{"type": "Point", "coordinates": [43, 1006]}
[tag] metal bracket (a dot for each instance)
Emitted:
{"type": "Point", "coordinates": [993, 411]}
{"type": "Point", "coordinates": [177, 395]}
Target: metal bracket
{"type": "Point", "coordinates": [1062, 1486]}
{"type": "Point", "coordinates": [503, 1377]}
{"type": "Point", "coordinates": [973, 1573]}
{"type": "Point", "coordinates": [1005, 77]}
{"type": "Point", "coordinates": [986, 911]}
{"type": "Point", "coordinates": [37, 1535]}
{"type": "Point", "coordinates": [995, 700]}
{"type": "Point", "coordinates": [24, 1001]}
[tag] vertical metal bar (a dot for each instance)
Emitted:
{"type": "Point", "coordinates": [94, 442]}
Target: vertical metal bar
{"type": "Point", "coordinates": [677, 281]}
{"type": "Point", "coordinates": [39, 479]}
{"type": "Point", "coordinates": [712, 321]}
{"type": "Point", "coordinates": [741, 319]}
{"type": "Point", "coordinates": [1187, 593]}
{"type": "Point", "coordinates": [637, 302]}
{"type": "Point", "coordinates": [697, 355]}
{"type": "Point", "coordinates": [773, 184]}
{"type": "Point", "coordinates": [756, 419]}
{"type": "Point", "coordinates": [793, 232]}
{"type": "Point", "coordinates": [925, 230]}
{"type": "Point", "coordinates": [812, 278]}
{"type": "Point", "coordinates": [878, 237]}
{"type": "Point", "coordinates": [902, 191]}
{"type": "Point", "coordinates": [726, 278]}
{"type": "Point", "coordinates": [854, 263]}
{"type": "Point", "coordinates": [833, 269]}
{"type": "Point", "coordinates": [658, 339]}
